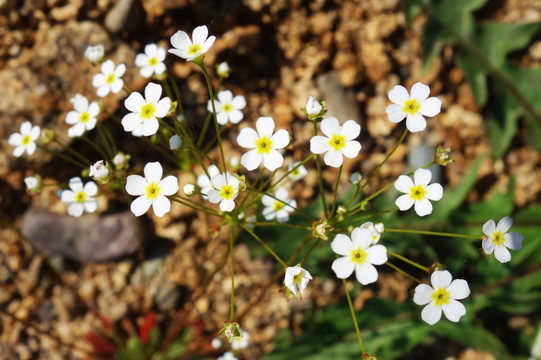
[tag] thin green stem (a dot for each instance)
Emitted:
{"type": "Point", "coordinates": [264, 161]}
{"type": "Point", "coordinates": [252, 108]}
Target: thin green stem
{"type": "Point", "coordinates": [435, 233]}
{"type": "Point", "coordinates": [274, 223]}
{"type": "Point", "coordinates": [403, 272]}
{"type": "Point", "coordinates": [406, 260]}
{"type": "Point", "coordinates": [352, 310]}
{"type": "Point", "coordinates": [336, 189]}
{"type": "Point", "coordinates": [297, 210]}
{"type": "Point", "coordinates": [232, 258]}
{"type": "Point", "coordinates": [109, 136]}
{"type": "Point", "coordinates": [67, 158]}
{"type": "Point", "coordinates": [264, 245]}
{"type": "Point", "coordinates": [310, 250]}
{"type": "Point", "coordinates": [74, 153]}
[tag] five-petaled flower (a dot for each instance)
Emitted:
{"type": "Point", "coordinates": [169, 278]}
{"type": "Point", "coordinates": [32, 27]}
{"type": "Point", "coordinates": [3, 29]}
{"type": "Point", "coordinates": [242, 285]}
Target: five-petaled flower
{"type": "Point", "coordinates": [359, 255]}
{"type": "Point", "coordinates": [296, 171]}
{"type": "Point", "coordinates": [188, 49]}
{"type": "Point", "coordinates": [109, 80]}
{"type": "Point", "coordinates": [264, 145]}
{"type": "Point", "coordinates": [412, 107]}
{"type": "Point", "coordinates": [228, 108]}
{"type": "Point", "coordinates": [278, 206]}
{"type": "Point", "coordinates": [498, 239]}
{"type": "Point", "coordinates": [144, 112]}
{"type": "Point", "coordinates": [25, 140]}
{"type": "Point", "coordinates": [337, 142]}
{"type": "Point", "coordinates": [225, 188]}
{"type": "Point", "coordinates": [152, 190]}
{"type": "Point", "coordinates": [83, 117]}
{"type": "Point", "coordinates": [80, 197]}
{"type": "Point", "coordinates": [151, 61]}
{"type": "Point", "coordinates": [441, 296]}
{"type": "Point", "coordinates": [418, 192]}
{"type": "Point", "coordinates": [296, 279]}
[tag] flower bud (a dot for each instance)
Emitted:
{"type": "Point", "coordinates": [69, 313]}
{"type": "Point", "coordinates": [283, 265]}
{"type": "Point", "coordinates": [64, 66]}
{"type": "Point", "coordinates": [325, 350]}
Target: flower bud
{"type": "Point", "coordinates": [189, 189]}
{"type": "Point", "coordinates": [355, 178]}
{"type": "Point", "coordinates": [33, 183]}
{"type": "Point", "coordinates": [223, 70]}
{"type": "Point", "coordinates": [231, 330]}
{"type": "Point", "coordinates": [175, 142]}
{"type": "Point", "coordinates": [443, 156]}
{"type": "Point", "coordinates": [96, 54]}
{"type": "Point", "coordinates": [313, 107]}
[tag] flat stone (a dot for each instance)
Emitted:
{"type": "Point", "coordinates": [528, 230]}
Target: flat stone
{"type": "Point", "coordinates": [91, 237]}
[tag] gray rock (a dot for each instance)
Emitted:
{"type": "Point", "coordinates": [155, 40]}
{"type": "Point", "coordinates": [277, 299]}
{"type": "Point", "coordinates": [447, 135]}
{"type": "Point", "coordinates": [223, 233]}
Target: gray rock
{"type": "Point", "coordinates": [90, 237]}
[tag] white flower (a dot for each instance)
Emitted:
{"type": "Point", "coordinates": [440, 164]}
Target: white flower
{"type": "Point", "coordinates": [144, 112]}
{"type": "Point", "coordinates": [151, 61]}
{"type": "Point", "coordinates": [189, 189]}
{"type": "Point", "coordinates": [99, 170]}
{"type": "Point", "coordinates": [119, 159]}
{"type": "Point", "coordinates": [83, 117]}
{"type": "Point", "coordinates": [223, 70]}
{"type": "Point", "coordinates": [228, 108]}
{"type": "Point", "coordinates": [355, 178]}
{"type": "Point", "coordinates": [278, 207]}
{"type": "Point", "coordinates": [498, 239]}
{"type": "Point", "coordinates": [376, 234]}
{"type": "Point", "coordinates": [412, 107]}
{"type": "Point", "coordinates": [79, 197]}
{"type": "Point", "coordinates": [313, 107]}
{"type": "Point", "coordinates": [264, 145]}
{"type": "Point", "coordinates": [186, 49]}
{"type": "Point", "coordinates": [31, 182]}
{"type": "Point", "coordinates": [228, 355]}
{"type": "Point", "coordinates": [296, 279]}
{"type": "Point", "coordinates": [25, 140]}
{"type": "Point", "coordinates": [152, 190]}
{"type": "Point", "coordinates": [95, 53]}
{"type": "Point", "coordinates": [296, 171]}
{"type": "Point", "coordinates": [110, 78]}
{"type": "Point", "coordinates": [337, 142]}
{"type": "Point", "coordinates": [225, 188]}
{"type": "Point", "coordinates": [203, 181]}
{"type": "Point", "coordinates": [358, 254]}
{"type": "Point", "coordinates": [418, 192]}
{"type": "Point", "coordinates": [240, 342]}
{"type": "Point", "coordinates": [175, 142]}
{"type": "Point", "coordinates": [442, 295]}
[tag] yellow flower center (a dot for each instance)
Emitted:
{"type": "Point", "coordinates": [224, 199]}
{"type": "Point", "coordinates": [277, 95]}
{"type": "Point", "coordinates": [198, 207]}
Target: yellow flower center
{"type": "Point", "coordinates": [440, 296]}
{"type": "Point", "coordinates": [411, 107]}
{"type": "Point", "coordinates": [80, 196]}
{"type": "Point", "coordinates": [296, 172]}
{"type": "Point", "coordinates": [297, 279]}
{"type": "Point", "coordinates": [227, 107]}
{"type": "Point", "coordinates": [227, 192]}
{"type": "Point", "coordinates": [147, 111]}
{"type": "Point", "coordinates": [417, 193]}
{"type": "Point", "coordinates": [358, 256]}
{"type": "Point", "coordinates": [263, 145]}
{"type": "Point", "coordinates": [110, 79]}
{"type": "Point", "coordinates": [153, 190]}
{"type": "Point", "coordinates": [153, 61]}
{"type": "Point", "coordinates": [278, 205]}
{"type": "Point", "coordinates": [498, 238]}
{"type": "Point", "coordinates": [194, 49]}
{"type": "Point", "coordinates": [26, 140]}
{"type": "Point", "coordinates": [337, 142]}
{"type": "Point", "coordinates": [84, 117]}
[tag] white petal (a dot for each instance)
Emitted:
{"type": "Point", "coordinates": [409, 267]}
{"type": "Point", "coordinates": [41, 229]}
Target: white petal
{"type": "Point", "coordinates": [399, 95]}
{"type": "Point", "coordinates": [330, 126]}
{"type": "Point", "coordinates": [227, 205]}
{"type": "Point", "coordinates": [179, 53]}
{"type": "Point", "coordinates": [76, 184]}
{"type": "Point", "coordinates": [208, 44]}
{"type": "Point", "coordinates": [422, 177]}
{"type": "Point", "coordinates": [431, 314]}
{"type": "Point", "coordinates": [200, 34]}
{"type": "Point", "coordinates": [107, 67]}
{"type": "Point", "coordinates": [404, 202]}
{"type": "Point", "coordinates": [162, 108]}
{"type": "Point", "coordinates": [319, 144]}
{"type": "Point", "coordinates": [281, 193]}
{"type": "Point", "coordinates": [239, 102]}
{"type": "Point", "coordinates": [420, 92]}
{"type": "Point", "coordinates": [76, 130]}
{"type": "Point", "coordinates": [280, 140]}
{"type": "Point", "coordinates": [334, 158]}
{"type": "Point", "coordinates": [351, 149]}
{"type": "Point", "coordinates": [30, 148]}
{"type": "Point", "coordinates": [120, 70]}
{"type": "Point", "coordinates": [141, 60]}
{"type": "Point", "coordinates": [404, 184]}
{"type": "Point", "coordinates": [236, 116]}
{"type": "Point", "coordinates": [153, 172]}
{"type": "Point", "coordinates": [90, 188]}
{"type": "Point", "coordinates": [150, 126]}
{"type": "Point", "coordinates": [225, 96]}
{"type": "Point", "coordinates": [136, 185]}
{"type": "Point", "coordinates": [272, 161]}
{"type": "Point", "coordinates": [247, 138]}
{"type": "Point", "coordinates": [423, 207]}
{"type": "Point", "coordinates": [502, 254]}
{"type": "Point", "coordinates": [415, 123]}
{"type": "Point", "coordinates": [67, 196]}
{"type": "Point", "coordinates": [131, 121]}
{"type": "Point", "coordinates": [376, 254]}
{"type": "Point", "coordinates": [91, 205]}
{"type": "Point", "coordinates": [93, 109]}
{"type": "Point", "coordinates": [98, 80]}
{"type": "Point", "coordinates": [459, 289]}
{"type": "Point", "coordinates": [222, 118]}
{"type": "Point", "coordinates": [366, 273]}
{"type": "Point", "coordinates": [489, 227]}
{"type": "Point", "coordinates": [161, 206]}
{"type": "Point", "coordinates": [422, 295]}
{"type": "Point", "coordinates": [18, 151]}
{"type": "Point", "coordinates": [140, 205]}
{"type": "Point", "coordinates": [169, 185]}
{"type": "Point", "coordinates": [80, 103]}
{"type": "Point", "coordinates": [265, 126]}
{"type": "Point", "coordinates": [103, 90]}
{"type": "Point", "coordinates": [488, 245]}
{"type": "Point", "coordinates": [342, 245]}
{"type": "Point", "coordinates": [267, 201]}
{"type": "Point", "coordinates": [504, 224]}
{"type": "Point", "coordinates": [251, 160]}
{"type": "Point", "coordinates": [15, 139]}
{"type": "Point", "coordinates": [343, 267]}
{"type": "Point", "coordinates": [395, 113]}
{"type": "Point", "coordinates": [454, 310]}
{"type": "Point", "coordinates": [361, 237]}
{"type": "Point", "coordinates": [214, 196]}
{"type": "Point", "coordinates": [434, 192]}
{"type": "Point", "coordinates": [159, 68]}
{"type": "Point", "coordinates": [153, 92]}
{"type": "Point", "coordinates": [76, 209]}
{"type": "Point", "coordinates": [351, 130]}
{"type": "Point", "coordinates": [217, 181]}
{"type": "Point", "coordinates": [180, 40]}
{"type": "Point", "coordinates": [117, 85]}
{"type": "Point", "coordinates": [513, 241]}
{"type": "Point", "coordinates": [134, 102]}
{"type": "Point", "coordinates": [441, 278]}
{"type": "Point", "coordinates": [430, 107]}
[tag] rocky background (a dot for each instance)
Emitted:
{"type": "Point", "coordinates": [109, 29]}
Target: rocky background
{"type": "Point", "coordinates": [348, 53]}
